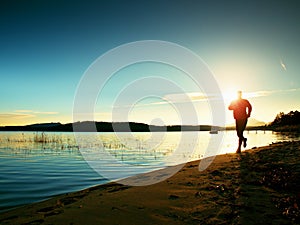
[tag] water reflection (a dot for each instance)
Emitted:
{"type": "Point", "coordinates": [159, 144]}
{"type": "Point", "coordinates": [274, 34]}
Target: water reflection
{"type": "Point", "coordinates": [35, 166]}
{"type": "Point", "coordinates": [135, 148]}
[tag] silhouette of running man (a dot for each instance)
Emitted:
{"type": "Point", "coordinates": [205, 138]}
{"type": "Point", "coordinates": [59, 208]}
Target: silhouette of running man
{"type": "Point", "coordinates": [241, 112]}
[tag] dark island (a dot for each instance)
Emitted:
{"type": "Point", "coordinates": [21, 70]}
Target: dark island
{"type": "Point", "coordinates": [89, 126]}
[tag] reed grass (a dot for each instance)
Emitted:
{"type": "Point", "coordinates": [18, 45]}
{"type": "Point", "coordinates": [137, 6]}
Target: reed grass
{"type": "Point", "coordinates": [128, 149]}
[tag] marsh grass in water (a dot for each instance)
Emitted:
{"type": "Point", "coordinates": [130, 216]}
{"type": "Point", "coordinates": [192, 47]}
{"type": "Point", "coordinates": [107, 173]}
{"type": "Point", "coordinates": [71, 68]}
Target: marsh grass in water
{"type": "Point", "coordinates": [129, 149]}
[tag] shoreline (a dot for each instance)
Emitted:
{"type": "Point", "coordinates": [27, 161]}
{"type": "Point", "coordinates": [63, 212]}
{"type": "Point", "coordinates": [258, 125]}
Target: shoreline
{"type": "Point", "coordinates": [232, 190]}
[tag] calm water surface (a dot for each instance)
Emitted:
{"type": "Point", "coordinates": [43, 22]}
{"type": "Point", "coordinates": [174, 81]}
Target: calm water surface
{"type": "Point", "coordinates": [37, 166]}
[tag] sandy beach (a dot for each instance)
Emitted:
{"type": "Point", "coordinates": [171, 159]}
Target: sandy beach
{"type": "Point", "coordinates": [259, 186]}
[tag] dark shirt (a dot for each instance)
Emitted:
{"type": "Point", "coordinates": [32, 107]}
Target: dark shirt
{"type": "Point", "coordinates": [239, 108]}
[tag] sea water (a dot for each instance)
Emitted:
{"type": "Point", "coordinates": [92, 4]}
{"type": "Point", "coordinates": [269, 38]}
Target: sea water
{"type": "Point", "coordinates": [36, 166]}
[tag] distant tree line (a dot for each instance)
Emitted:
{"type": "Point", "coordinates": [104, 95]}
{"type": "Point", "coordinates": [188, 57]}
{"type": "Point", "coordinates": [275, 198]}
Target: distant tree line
{"type": "Point", "coordinates": [287, 122]}
{"type": "Point", "coordinates": [291, 118]}
{"type": "Point", "coordinates": [90, 126]}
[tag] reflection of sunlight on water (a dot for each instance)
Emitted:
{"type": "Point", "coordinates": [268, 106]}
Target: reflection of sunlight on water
{"type": "Point", "coordinates": [135, 148]}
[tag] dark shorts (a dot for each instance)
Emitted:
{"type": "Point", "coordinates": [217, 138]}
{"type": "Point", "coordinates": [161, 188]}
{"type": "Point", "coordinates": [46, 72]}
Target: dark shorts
{"type": "Point", "coordinates": [240, 126]}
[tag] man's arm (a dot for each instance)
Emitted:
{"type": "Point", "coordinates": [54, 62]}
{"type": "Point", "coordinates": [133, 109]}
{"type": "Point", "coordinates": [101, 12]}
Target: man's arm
{"type": "Point", "coordinates": [249, 106]}
{"type": "Point", "coordinates": [230, 107]}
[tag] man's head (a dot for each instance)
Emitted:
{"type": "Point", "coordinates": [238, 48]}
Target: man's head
{"type": "Point", "coordinates": [239, 94]}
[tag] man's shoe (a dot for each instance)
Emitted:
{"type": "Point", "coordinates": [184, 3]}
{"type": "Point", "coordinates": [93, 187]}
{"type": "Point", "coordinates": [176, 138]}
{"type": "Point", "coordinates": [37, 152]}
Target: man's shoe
{"type": "Point", "coordinates": [245, 142]}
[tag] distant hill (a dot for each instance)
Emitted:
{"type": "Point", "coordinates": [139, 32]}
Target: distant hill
{"type": "Point", "coordinates": [89, 126]}
{"type": "Point", "coordinates": [44, 125]}
{"type": "Point", "coordinates": [255, 123]}
{"type": "Point", "coordinates": [251, 123]}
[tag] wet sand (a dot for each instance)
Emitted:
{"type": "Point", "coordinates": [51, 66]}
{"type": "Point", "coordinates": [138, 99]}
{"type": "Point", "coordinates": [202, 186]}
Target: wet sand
{"type": "Point", "coordinates": [259, 186]}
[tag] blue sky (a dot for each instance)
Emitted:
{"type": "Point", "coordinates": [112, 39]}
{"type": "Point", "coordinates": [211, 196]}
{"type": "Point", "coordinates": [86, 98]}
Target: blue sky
{"type": "Point", "coordinates": [46, 46]}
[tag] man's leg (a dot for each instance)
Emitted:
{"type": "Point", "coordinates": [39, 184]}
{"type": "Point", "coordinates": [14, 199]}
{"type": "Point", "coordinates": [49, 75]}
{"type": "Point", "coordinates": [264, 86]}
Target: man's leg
{"type": "Point", "coordinates": [240, 127]}
{"type": "Point", "coordinates": [244, 124]}
{"type": "Point", "coordinates": [245, 142]}
{"type": "Point", "coordinates": [239, 134]}
{"type": "Point", "coordinates": [239, 147]}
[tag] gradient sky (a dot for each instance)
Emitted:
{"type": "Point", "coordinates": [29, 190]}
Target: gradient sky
{"type": "Point", "coordinates": [46, 46]}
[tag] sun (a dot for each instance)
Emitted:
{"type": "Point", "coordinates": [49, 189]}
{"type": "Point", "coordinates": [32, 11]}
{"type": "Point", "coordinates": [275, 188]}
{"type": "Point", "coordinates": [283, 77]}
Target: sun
{"type": "Point", "coordinates": [229, 95]}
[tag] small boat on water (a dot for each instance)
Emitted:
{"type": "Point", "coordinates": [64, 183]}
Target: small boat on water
{"type": "Point", "coordinates": [213, 132]}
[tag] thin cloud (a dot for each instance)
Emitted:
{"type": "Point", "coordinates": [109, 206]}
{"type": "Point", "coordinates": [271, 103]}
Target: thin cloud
{"type": "Point", "coordinates": [172, 98]}
{"type": "Point", "coordinates": [196, 96]}
{"type": "Point", "coordinates": [46, 113]}
{"type": "Point", "coordinates": [178, 98]}
{"type": "Point", "coordinates": [34, 112]}
{"type": "Point", "coordinates": [186, 97]}
{"type": "Point", "coordinates": [267, 93]}
{"type": "Point", "coordinates": [24, 114]}
{"type": "Point", "coordinates": [23, 111]}
{"type": "Point", "coordinates": [257, 94]}
{"type": "Point", "coordinates": [15, 116]}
